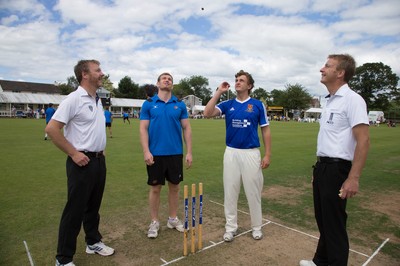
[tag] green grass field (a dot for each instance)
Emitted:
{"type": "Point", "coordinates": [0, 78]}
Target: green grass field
{"type": "Point", "coordinates": [33, 186]}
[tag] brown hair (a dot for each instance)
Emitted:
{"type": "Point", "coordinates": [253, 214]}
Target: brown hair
{"type": "Point", "coordinates": [165, 73]}
{"type": "Point", "coordinates": [250, 80]}
{"type": "Point", "coordinates": [345, 62]}
{"type": "Point", "coordinates": [83, 66]}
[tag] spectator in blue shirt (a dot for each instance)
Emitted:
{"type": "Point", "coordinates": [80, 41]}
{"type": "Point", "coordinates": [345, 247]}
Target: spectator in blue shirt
{"type": "Point", "coordinates": [109, 119]}
{"type": "Point", "coordinates": [125, 116]}
{"type": "Point", "coordinates": [49, 114]}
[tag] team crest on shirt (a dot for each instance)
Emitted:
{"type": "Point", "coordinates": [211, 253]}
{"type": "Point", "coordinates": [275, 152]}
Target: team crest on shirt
{"type": "Point", "coordinates": [175, 107]}
{"type": "Point", "coordinates": [249, 108]}
{"type": "Point", "coordinates": [91, 108]}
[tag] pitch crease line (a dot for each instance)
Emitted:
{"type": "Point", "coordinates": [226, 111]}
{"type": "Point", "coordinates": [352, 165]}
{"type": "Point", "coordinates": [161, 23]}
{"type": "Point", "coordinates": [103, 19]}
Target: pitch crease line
{"type": "Point", "coordinates": [295, 230]}
{"type": "Point", "coordinates": [376, 252]}
{"type": "Point", "coordinates": [213, 244]}
{"type": "Point", "coordinates": [29, 254]}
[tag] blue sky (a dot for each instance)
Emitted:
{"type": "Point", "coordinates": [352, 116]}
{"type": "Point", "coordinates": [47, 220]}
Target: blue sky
{"type": "Point", "coordinates": [278, 42]}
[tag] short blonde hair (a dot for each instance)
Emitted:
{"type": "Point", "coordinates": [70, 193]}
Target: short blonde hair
{"type": "Point", "coordinates": [83, 66]}
{"type": "Point", "coordinates": [345, 62]}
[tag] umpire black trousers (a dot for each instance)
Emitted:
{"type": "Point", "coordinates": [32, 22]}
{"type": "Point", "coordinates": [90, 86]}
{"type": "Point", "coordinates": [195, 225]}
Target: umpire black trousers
{"type": "Point", "coordinates": [85, 192]}
{"type": "Point", "coordinates": [330, 213]}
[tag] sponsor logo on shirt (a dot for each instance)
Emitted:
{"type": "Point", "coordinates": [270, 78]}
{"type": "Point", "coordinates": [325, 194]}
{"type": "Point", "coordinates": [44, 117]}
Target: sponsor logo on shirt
{"type": "Point", "coordinates": [330, 119]}
{"type": "Point", "coordinates": [239, 123]}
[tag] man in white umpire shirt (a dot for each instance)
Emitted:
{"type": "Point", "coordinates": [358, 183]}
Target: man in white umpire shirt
{"type": "Point", "coordinates": [82, 117]}
{"type": "Point", "coordinates": [342, 148]}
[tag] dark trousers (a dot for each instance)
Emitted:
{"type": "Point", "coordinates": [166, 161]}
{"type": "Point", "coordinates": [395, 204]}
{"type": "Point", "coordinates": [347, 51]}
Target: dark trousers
{"type": "Point", "coordinates": [85, 192]}
{"type": "Point", "coordinates": [330, 213]}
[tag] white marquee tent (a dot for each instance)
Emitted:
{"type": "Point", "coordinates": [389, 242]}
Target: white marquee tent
{"type": "Point", "coordinates": [30, 98]}
{"type": "Point", "coordinates": [197, 109]}
{"type": "Point", "coordinates": [313, 113]}
{"type": "Point", "coordinates": [23, 100]}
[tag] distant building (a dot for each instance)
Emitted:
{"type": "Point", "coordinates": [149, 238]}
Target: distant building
{"type": "Point", "coordinates": [30, 97]}
{"type": "Point", "coordinates": [315, 102]}
{"type": "Point", "coordinates": [105, 96]}
{"type": "Point", "coordinates": [28, 87]}
{"type": "Point", "coordinates": [191, 101]}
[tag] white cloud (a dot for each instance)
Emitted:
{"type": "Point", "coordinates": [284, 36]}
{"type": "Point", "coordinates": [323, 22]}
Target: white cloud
{"type": "Point", "coordinates": [281, 42]}
{"type": "Point", "coordinates": [337, 6]}
{"type": "Point", "coordinates": [376, 9]}
{"type": "Point", "coordinates": [23, 6]}
{"type": "Point", "coordinates": [9, 20]}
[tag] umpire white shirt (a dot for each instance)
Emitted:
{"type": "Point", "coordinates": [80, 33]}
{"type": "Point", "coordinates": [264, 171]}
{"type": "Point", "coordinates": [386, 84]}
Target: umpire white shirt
{"type": "Point", "coordinates": [344, 110]}
{"type": "Point", "coordinates": [84, 121]}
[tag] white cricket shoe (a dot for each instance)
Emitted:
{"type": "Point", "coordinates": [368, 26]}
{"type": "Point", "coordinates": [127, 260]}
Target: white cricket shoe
{"type": "Point", "coordinates": [99, 248]}
{"type": "Point", "coordinates": [153, 229]}
{"type": "Point", "coordinates": [175, 223]}
{"type": "Point", "coordinates": [307, 263]}
{"type": "Point", "coordinates": [257, 234]}
{"type": "Point", "coordinates": [228, 236]}
{"type": "Point", "coordinates": [68, 264]}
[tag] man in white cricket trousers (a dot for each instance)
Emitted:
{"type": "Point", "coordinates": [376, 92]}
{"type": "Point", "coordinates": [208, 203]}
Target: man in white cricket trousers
{"type": "Point", "coordinates": [242, 157]}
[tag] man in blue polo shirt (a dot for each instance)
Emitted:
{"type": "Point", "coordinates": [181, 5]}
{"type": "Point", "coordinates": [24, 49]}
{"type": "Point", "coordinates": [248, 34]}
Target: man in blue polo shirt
{"type": "Point", "coordinates": [162, 119]}
{"type": "Point", "coordinates": [108, 116]}
{"type": "Point", "coordinates": [49, 114]}
{"type": "Point", "coordinates": [242, 158]}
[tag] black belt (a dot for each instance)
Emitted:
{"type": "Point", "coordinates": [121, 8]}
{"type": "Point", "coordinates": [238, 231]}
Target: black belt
{"type": "Point", "coordinates": [96, 154]}
{"type": "Point", "coordinates": [331, 160]}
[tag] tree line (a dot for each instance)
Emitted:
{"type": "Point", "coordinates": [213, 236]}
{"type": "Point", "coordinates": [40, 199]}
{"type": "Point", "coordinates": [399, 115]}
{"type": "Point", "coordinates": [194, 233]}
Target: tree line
{"type": "Point", "coordinates": [375, 82]}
